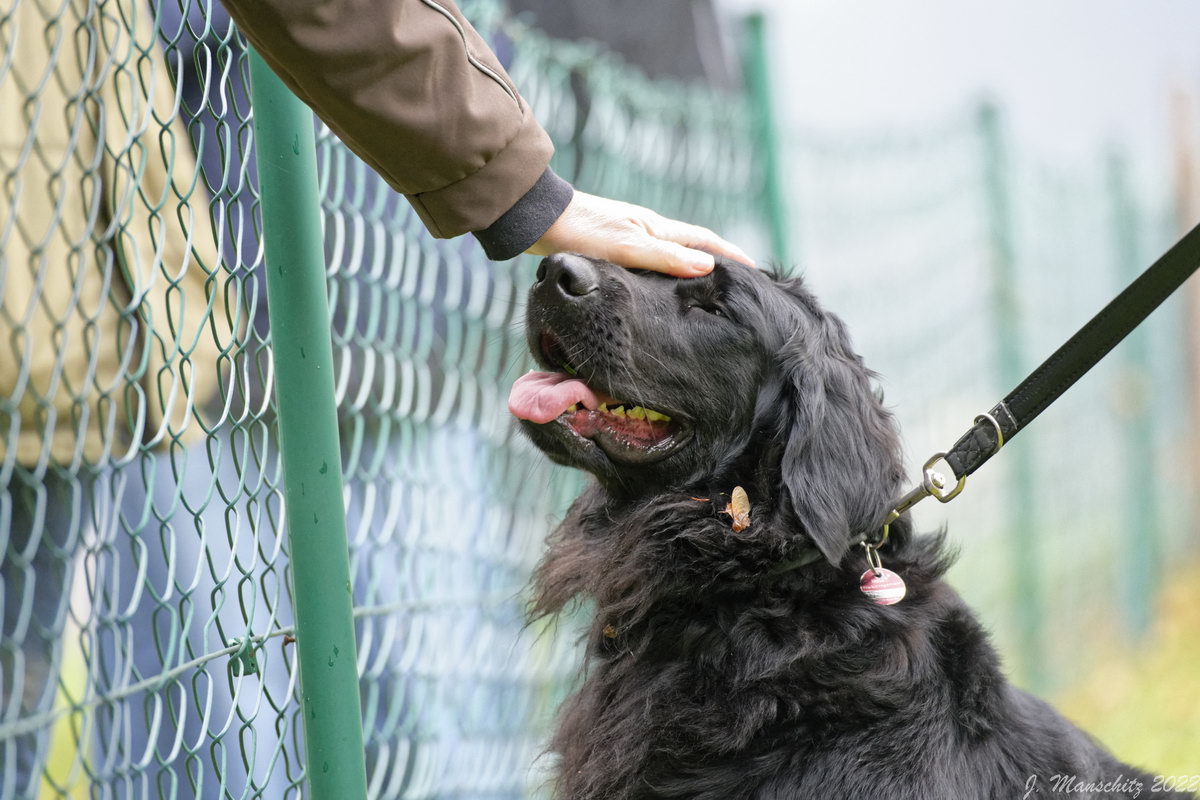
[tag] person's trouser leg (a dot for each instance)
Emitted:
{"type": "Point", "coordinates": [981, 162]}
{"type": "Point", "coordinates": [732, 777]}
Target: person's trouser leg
{"type": "Point", "coordinates": [185, 568]}
{"type": "Point", "coordinates": [40, 524]}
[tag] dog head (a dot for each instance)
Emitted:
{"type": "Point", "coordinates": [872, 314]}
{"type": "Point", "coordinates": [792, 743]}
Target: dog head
{"type": "Point", "coordinates": [659, 385]}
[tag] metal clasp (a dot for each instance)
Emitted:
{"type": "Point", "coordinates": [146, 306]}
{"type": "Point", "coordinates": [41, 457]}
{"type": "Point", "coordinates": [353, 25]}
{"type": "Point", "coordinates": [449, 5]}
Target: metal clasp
{"type": "Point", "coordinates": [933, 484]}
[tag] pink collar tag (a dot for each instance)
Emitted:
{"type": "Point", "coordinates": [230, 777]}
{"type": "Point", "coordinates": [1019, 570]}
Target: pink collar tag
{"type": "Point", "coordinates": [884, 587]}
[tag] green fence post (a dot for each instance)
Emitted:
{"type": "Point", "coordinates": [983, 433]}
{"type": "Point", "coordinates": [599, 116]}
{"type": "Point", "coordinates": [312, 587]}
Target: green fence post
{"type": "Point", "coordinates": [1022, 514]}
{"type": "Point", "coordinates": [308, 438]}
{"type": "Point", "coordinates": [758, 84]}
{"type": "Point", "coordinates": [1142, 528]}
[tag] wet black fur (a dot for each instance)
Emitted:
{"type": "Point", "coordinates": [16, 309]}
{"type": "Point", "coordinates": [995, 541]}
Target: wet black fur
{"type": "Point", "coordinates": [724, 681]}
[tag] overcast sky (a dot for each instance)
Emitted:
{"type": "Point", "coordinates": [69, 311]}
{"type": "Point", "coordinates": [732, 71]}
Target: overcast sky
{"type": "Point", "coordinates": [1074, 75]}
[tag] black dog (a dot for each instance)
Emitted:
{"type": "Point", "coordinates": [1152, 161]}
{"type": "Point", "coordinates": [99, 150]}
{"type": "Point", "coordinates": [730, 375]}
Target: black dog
{"type": "Point", "coordinates": [728, 661]}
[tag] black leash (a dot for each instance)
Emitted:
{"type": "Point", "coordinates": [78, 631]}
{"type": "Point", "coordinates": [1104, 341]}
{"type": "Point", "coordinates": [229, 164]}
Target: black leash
{"type": "Point", "coordinates": [1058, 373]}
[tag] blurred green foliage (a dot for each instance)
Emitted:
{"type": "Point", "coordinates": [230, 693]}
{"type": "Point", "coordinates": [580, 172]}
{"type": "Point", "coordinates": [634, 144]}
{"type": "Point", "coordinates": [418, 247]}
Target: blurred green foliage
{"type": "Point", "coordinates": [1142, 698]}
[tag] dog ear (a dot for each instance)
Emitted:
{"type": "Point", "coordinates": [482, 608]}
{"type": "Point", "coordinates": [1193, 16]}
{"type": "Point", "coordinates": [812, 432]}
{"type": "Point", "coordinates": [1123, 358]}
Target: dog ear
{"type": "Point", "coordinates": [840, 465]}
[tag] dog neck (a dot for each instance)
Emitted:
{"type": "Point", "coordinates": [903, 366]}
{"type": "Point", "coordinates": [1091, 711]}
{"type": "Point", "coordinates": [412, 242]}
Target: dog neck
{"type": "Point", "coordinates": [631, 558]}
{"type": "Point", "coordinates": [807, 557]}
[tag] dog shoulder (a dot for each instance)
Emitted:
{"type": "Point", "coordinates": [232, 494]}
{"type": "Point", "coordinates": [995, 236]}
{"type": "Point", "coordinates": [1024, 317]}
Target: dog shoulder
{"type": "Point", "coordinates": [971, 669]}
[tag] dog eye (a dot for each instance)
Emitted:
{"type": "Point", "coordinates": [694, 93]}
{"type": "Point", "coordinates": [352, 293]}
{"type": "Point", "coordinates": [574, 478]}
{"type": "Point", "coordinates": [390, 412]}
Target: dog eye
{"type": "Point", "coordinates": [716, 311]}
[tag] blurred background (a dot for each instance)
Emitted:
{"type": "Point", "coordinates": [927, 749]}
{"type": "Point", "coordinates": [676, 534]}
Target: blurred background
{"type": "Point", "coordinates": [965, 183]}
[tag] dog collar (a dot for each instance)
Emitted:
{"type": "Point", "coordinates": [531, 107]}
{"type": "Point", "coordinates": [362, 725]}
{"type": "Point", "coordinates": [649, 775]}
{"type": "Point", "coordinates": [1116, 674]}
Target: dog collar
{"type": "Point", "coordinates": [808, 557]}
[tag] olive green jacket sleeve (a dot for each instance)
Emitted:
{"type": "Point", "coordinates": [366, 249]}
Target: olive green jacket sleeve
{"type": "Point", "coordinates": [415, 92]}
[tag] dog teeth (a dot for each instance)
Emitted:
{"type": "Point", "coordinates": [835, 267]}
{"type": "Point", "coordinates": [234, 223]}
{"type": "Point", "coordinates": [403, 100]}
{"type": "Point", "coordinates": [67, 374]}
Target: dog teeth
{"type": "Point", "coordinates": [635, 412]}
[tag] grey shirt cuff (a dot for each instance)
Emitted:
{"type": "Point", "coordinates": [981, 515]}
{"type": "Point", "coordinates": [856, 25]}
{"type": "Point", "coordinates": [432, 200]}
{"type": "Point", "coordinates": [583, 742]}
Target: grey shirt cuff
{"type": "Point", "coordinates": [524, 223]}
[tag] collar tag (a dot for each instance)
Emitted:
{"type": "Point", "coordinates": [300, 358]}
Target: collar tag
{"type": "Point", "coordinates": [884, 587]}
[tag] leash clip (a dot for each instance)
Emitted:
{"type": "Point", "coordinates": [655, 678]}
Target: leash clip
{"type": "Point", "coordinates": [933, 484]}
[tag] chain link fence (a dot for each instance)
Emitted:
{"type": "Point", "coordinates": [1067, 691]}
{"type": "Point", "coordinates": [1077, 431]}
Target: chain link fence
{"type": "Point", "coordinates": [147, 612]}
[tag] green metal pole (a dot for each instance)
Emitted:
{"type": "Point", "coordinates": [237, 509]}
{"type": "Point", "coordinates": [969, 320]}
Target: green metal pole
{"type": "Point", "coordinates": [1143, 552]}
{"type": "Point", "coordinates": [308, 438]}
{"type": "Point", "coordinates": [758, 83]}
{"type": "Point", "coordinates": [1022, 515]}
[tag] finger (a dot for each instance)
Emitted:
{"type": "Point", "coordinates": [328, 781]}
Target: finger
{"type": "Point", "coordinates": [697, 236]}
{"type": "Point", "coordinates": [663, 256]}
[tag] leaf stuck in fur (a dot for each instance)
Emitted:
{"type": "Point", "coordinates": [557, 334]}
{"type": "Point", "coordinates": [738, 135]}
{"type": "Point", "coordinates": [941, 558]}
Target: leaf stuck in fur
{"type": "Point", "coordinates": [738, 510]}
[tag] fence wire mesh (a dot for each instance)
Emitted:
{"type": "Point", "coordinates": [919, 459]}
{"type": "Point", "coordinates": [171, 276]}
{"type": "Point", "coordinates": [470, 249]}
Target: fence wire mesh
{"type": "Point", "coordinates": [145, 646]}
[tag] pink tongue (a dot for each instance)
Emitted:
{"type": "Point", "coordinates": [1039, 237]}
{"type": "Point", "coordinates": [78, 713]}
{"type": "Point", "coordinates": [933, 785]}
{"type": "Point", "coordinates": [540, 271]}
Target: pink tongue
{"type": "Point", "coordinates": [542, 396]}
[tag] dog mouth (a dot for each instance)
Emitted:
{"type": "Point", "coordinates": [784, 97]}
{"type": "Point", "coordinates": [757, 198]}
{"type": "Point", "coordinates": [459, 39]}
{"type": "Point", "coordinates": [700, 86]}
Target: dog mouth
{"type": "Point", "coordinates": [625, 432]}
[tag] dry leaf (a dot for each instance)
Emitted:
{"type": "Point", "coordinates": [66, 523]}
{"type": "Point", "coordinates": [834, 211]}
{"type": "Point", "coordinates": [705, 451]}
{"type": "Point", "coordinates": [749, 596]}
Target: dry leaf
{"type": "Point", "coordinates": [610, 632]}
{"type": "Point", "coordinates": [738, 509]}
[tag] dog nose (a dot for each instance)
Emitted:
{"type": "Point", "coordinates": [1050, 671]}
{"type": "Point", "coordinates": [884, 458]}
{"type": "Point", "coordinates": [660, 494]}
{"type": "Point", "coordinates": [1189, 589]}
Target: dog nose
{"type": "Point", "coordinates": [570, 275]}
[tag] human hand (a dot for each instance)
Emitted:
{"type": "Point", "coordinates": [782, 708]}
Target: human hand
{"type": "Point", "coordinates": [634, 237]}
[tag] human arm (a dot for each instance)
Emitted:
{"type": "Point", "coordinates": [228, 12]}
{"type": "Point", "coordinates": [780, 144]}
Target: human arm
{"type": "Point", "coordinates": [415, 92]}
